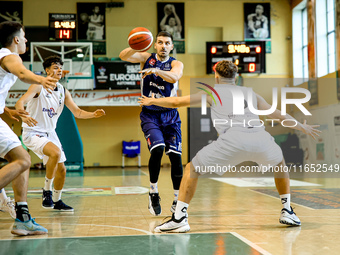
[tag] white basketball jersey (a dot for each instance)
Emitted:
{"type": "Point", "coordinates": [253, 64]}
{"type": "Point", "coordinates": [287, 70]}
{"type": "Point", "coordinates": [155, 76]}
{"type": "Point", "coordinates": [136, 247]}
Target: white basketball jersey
{"type": "Point", "coordinates": [224, 117]}
{"type": "Point", "coordinates": [46, 109]}
{"type": "Point", "coordinates": [7, 80]}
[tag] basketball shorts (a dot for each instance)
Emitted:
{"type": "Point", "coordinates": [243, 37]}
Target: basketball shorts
{"type": "Point", "coordinates": [162, 128]}
{"type": "Point", "coordinates": [36, 142]}
{"type": "Point", "coordinates": [236, 146]}
{"type": "Point", "coordinates": [8, 140]}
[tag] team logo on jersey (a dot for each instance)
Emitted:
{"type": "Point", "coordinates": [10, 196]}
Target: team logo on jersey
{"type": "Point", "coordinates": [152, 61]}
{"type": "Point", "coordinates": [50, 112]}
{"type": "Point", "coordinates": [167, 67]}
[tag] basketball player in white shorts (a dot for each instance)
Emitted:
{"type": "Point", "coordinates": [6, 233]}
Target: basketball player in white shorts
{"type": "Point", "coordinates": [235, 144]}
{"type": "Point", "coordinates": [39, 130]}
{"type": "Point", "coordinates": [17, 170]}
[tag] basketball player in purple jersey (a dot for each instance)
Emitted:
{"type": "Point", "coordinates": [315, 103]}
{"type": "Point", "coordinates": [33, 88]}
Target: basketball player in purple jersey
{"type": "Point", "coordinates": [161, 125]}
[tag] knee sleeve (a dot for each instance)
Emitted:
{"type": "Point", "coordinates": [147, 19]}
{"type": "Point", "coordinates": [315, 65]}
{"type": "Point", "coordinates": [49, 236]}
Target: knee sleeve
{"type": "Point", "coordinates": [155, 163]}
{"type": "Point", "coordinates": [176, 169]}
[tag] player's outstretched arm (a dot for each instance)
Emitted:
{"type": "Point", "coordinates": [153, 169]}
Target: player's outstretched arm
{"type": "Point", "coordinates": [15, 113]}
{"type": "Point", "coordinates": [171, 102]}
{"type": "Point", "coordinates": [133, 56]}
{"type": "Point", "coordinates": [79, 113]}
{"type": "Point", "coordinates": [304, 127]}
{"type": "Point", "coordinates": [171, 76]}
{"type": "Point", "coordinates": [13, 64]}
{"type": "Point", "coordinates": [33, 91]}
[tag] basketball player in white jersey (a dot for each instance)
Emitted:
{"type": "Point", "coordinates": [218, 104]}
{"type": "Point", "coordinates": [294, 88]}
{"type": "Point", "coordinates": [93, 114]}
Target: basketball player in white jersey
{"type": "Point", "coordinates": [39, 130]}
{"type": "Point", "coordinates": [234, 145]}
{"type": "Point", "coordinates": [16, 171]}
{"type": "Point", "coordinates": [6, 203]}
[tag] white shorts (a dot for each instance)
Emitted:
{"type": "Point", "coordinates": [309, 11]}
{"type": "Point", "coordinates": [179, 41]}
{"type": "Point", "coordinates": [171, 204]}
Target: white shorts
{"type": "Point", "coordinates": [36, 142]}
{"type": "Point", "coordinates": [236, 146]}
{"type": "Point", "coordinates": [8, 140]}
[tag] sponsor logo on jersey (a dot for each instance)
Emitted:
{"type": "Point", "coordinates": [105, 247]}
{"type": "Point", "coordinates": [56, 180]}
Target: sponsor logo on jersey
{"type": "Point", "coordinates": [152, 84]}
{"type": "Point", "coordinates": [152, 61]}
{"type": "Point", "coordinates": [50, 112]}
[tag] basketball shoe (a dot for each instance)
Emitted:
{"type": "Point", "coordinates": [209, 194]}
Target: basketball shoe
{"type": "Point", "coordinates": [173, 206]}
{"type": "Point", "coordinates": [30, 227]}
{"type": "Point", "coordinates": [8, 206]}
{"type": "Point", "coordinates": [174, 226]}
{"type": "Point", "coordinates": [289, 217]}
{"type": "Point", "coordinates": [154, 205]}
{"type": "Point", "coordinates": [59, 205]}
{"type": "Point", "coordinates": [47, 202]}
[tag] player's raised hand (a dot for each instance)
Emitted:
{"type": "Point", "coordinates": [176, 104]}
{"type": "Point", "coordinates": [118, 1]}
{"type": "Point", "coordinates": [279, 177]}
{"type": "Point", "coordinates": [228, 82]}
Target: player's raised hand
{"type": "Point", "coordinates": [310, 130]}
{"type": "Point", "coordinates": [145, 101]}
{"type": "Point", "coordinates": [98, 113]}
{"type": "Point", "coordinates": [29, 121]}
{"type": "Point", "coordinates": [18, 113]}
{"type": "Point", "coordinates": [49, 83]}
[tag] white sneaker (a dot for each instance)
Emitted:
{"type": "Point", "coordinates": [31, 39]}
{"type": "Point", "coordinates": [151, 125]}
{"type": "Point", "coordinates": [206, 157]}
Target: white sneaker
{"type": "Point", "coordinates": [289, 217]}
{"type": "Point", "coordinates": [174, 226]}
{"type": "Point", "coordinates": [8, 206]}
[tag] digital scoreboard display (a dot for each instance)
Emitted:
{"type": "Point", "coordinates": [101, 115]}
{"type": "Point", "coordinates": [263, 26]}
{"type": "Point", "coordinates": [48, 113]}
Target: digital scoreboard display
{"type": "Point", "coordinates": [250, 57]}
{"type": "Point", "coordinates": [62, 27]}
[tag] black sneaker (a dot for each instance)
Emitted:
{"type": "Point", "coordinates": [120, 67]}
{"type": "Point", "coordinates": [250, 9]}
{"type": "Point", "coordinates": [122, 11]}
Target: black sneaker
{"type": "Point", "coordinates": [59, 205]}
{"type": "Point", "coordinates": [154, 206]}
{"type": "Point", "coordinates": [47, 202]}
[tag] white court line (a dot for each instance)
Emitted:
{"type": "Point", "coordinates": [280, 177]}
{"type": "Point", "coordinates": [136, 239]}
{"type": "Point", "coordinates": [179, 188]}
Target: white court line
{"type": "Point", "coordinates": [310, 208]}
{"type": "Point", "coordinates": [254, 246]}
{"type": "Point", "coordinates": [147, 174]}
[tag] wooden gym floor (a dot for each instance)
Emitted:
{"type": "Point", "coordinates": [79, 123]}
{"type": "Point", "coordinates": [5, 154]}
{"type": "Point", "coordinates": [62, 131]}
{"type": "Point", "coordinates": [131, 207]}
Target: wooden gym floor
{"type": "Point", "coordinates": [227, 216]}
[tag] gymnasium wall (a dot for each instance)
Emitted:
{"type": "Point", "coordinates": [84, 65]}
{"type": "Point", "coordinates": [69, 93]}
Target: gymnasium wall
{"type": "Point", "coordinates": [204, 21]}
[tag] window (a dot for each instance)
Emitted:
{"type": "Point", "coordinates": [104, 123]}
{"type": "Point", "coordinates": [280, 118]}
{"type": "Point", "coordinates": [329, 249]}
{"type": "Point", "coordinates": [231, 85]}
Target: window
{"type": "Point", "coordinates": [331, 35]}
{"type": "Point", "coordinates": [304, 43]}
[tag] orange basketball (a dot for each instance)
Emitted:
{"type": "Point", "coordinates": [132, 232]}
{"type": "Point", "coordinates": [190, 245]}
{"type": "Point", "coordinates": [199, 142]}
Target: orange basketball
{"type": "Point", "coordinates": [140, 39]}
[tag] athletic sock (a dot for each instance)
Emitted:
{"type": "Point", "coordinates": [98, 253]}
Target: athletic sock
{"type": "Point", "coordinates": [285, 201]}
{"type": "Point", "coordinates": [48, 184]}
{"type": "Point", "coordinates": [153, 187]}
{"type": "Point", "coordinates": [21, 209]}
{"type": "Point", "coordinates": [3, 195]}
{"type": "Point", "coordinates": [176, 195]}
{"type": "Point", "coordinates": [181, 210]}
{"type": "Point", "coordinates": [56, 196]}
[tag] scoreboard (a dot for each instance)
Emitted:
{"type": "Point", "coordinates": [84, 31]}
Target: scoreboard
{"type": "Point", "coordinates": [62, 27]}
{"type": "Point", "coordinates": [250, 56]}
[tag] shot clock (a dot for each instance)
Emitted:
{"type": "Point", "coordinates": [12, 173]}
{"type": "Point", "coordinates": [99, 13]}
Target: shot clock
{"type": "Point", "coordinates": [250, 56]}
{"type": "Point", "coordinates": [62, 27]}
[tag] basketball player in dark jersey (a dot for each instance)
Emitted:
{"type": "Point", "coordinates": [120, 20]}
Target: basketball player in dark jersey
{"type": "Point", "coordinates": [161, 126]}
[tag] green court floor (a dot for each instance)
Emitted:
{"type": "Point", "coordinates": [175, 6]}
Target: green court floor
{"type": "Point", "coordinates": [205, 244]}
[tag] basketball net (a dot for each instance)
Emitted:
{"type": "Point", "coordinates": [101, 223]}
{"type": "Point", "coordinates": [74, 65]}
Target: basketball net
{"type": "Point", "coordinates": [63, 81]}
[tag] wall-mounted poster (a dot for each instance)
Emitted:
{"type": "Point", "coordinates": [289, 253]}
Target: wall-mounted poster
{"type": "Point", "coordinates": [11, 11]}
{"type": "Point", "coordinates": [171, 19]}
{"type": "Point", "coordinates": [257, 23]}
{"type": "Point", "coordinates": [91, 25]}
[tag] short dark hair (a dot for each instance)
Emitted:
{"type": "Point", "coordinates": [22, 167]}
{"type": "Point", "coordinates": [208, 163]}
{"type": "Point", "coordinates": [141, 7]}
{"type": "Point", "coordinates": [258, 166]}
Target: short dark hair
{"type": "Point", "coordinates": [52, 60]}
{"type": "Point", "coordinates": [165, 34]}
{"type": "Point", "coordinates": [8, 30]}
{"type": "Point", "coordinates": [226, 69]}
